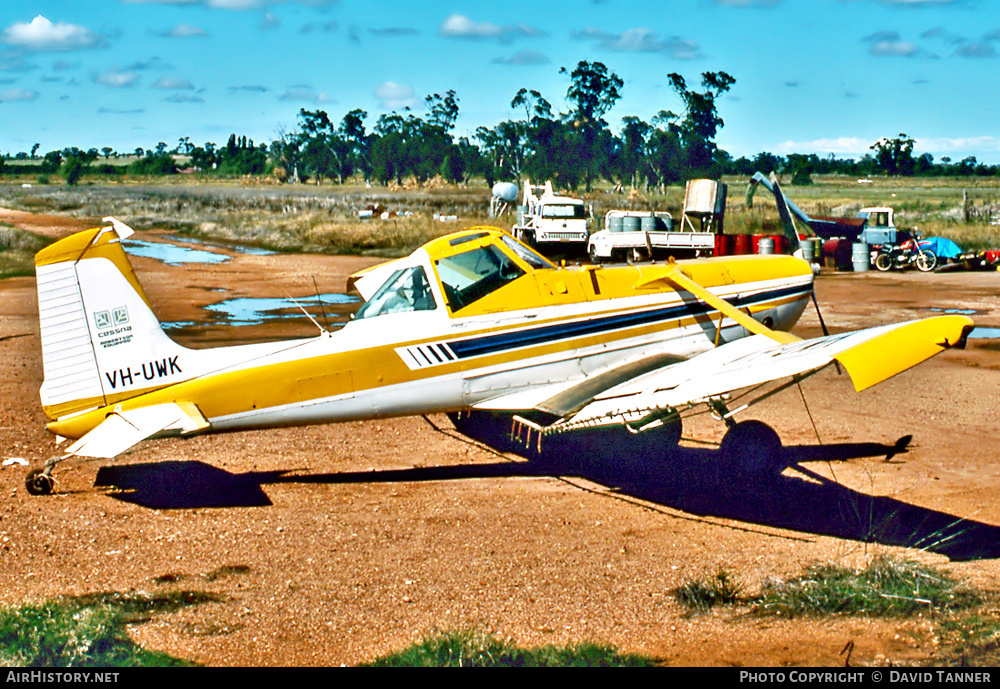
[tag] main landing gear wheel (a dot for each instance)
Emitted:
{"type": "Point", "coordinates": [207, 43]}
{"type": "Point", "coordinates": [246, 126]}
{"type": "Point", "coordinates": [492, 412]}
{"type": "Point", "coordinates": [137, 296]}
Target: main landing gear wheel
{"type": "Point", "coordinates": [752, 449]}
{"type": "Point", "coordinates": [39, 482]}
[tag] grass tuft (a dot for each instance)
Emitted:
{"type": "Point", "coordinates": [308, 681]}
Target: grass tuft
{"type": "Point", "coordinates": [476, 648]}
{"type": "Point", "coordinates": [699, 595]}
{"type": "Point", "coordinates": [885, 587]}
{"type": "Point", "coordinates": [87, 631]}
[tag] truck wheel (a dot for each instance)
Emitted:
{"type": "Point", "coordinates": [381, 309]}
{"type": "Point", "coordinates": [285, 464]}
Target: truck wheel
{"type": "Point", "coordinates": [592, 252]}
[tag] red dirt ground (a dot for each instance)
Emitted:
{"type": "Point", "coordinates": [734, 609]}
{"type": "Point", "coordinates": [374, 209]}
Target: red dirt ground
{"type": "Point", "coordinates": [334, 544]}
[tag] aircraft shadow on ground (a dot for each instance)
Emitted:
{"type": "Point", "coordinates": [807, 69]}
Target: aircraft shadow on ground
{"type": "Point", "coordinates": [683, 478]}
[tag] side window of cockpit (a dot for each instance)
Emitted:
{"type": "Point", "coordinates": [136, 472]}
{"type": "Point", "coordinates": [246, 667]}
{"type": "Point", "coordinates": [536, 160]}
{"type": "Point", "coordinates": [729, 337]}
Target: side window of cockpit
{"type": "Point", "coordinates": [470, 276]}
{"type": "Point", "coordinates": [405, 290]}
{"type": "Point", "coordinates": [525, 254]}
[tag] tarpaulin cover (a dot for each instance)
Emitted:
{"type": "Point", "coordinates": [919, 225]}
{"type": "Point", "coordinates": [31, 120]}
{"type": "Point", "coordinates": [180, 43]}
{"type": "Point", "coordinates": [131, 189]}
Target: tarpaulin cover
{"type": "Point", "coordinates": [944, 248]}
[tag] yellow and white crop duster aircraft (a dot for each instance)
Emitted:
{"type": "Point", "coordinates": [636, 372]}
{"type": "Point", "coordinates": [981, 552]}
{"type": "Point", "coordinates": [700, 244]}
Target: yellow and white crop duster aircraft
{"type": "Point", "coordinates": [472, 322]}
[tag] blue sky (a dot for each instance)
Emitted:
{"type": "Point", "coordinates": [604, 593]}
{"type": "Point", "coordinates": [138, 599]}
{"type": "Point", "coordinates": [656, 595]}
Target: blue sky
{"type": "Point", "coordinates": [812, 76]}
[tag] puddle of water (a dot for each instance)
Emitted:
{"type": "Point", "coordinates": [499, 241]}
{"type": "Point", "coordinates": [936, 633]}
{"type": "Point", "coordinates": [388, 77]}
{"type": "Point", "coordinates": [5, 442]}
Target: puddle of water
{"type": "Point", "coordinates": [252, 250]}
{"type": "Point", "coordinates": [964, 312]}
{"type": "Point", "coordinates": [253, 311]}
{"type": "Point", "coordinates": [171, 254]}
{"type": "Point", "coordinates": [980, 333]}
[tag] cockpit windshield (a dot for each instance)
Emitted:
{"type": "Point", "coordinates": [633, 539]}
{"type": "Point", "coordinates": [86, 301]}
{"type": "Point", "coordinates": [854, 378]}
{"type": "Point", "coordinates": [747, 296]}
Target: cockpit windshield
{"type": "Point", "coordinates": [470, 276]}
{"type": "Point", "coordinates": [525, 254]}
{"type": "Point", "coordinates": [405, 290]}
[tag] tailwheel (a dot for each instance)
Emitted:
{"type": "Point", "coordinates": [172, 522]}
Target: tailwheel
{"type": "Point", "coordinates": [39, 482]}
{"type": "Point", "coordinates": [751, 449]}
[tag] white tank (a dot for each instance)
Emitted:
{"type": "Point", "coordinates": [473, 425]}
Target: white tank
{"type": "Point", "coordinates": [505, 190]}
{"type": "Point", "coordinates": [701, 196]}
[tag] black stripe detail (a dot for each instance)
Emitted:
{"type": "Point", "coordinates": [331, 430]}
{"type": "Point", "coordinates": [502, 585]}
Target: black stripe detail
{"type": "Point", "coordinates": [444, 351]}
{"type": "Point", "coordinates": [491, 344]}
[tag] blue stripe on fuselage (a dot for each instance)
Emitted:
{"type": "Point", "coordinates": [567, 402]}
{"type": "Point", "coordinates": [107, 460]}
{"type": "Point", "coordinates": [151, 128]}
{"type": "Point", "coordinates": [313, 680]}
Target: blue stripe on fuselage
{"type": "Point", "coordinates": [490, 344]}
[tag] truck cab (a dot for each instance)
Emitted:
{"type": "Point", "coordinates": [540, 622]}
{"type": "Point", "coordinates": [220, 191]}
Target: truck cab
{"type": "Point", "coordinates": [546, 218]}
{"type": "Point", "coordinates": [880, 227]}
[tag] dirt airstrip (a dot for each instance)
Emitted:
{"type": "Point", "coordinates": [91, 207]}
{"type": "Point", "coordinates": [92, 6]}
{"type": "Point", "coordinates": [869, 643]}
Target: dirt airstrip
{"type": "Point", "coordinates": [334, 544]}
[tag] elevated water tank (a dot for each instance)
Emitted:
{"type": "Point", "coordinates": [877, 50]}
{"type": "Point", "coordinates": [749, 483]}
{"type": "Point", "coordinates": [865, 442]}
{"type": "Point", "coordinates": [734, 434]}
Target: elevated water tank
{"type": "Point", "coordinates": [505, 190]}
{"type": "Point", "coordinates": [701, 196]}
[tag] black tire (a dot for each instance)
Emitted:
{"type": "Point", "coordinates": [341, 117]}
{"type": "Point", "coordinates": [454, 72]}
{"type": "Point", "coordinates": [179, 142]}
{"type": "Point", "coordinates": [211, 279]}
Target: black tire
{"type": "Point", "coordinates": [883, 262]}
{"type": "Point", "coordinates": [926, 261]}
{"type": "Point", "coordinates": [38, 482]}
{"type": "Point", "coordinates": [751, 450]}
{"type": "Point", "coordinates": [592, 252]}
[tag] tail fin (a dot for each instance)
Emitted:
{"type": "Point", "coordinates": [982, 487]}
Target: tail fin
{"type": "Point", "coordinates": [101, 342]}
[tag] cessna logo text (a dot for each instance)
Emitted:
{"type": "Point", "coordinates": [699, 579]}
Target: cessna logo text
{"type": "Point", "coordinates": [112, 327]}
{"type": "Point", "coordinates": [150, 370]}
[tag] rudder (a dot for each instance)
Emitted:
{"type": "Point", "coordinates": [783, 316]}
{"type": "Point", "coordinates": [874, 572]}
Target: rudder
{"type": "Point", "coordinates": [100, 340]}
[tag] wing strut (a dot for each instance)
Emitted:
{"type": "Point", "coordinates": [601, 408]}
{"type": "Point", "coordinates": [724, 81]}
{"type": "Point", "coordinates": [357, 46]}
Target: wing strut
{"type": "Point", "coordinates": [677, 276]}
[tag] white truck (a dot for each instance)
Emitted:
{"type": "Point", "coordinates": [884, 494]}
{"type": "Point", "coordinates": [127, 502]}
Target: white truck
{"type": "Point", "coordinates": [545, 219]}
{"type": "Point", "coordinates": [639, 235]}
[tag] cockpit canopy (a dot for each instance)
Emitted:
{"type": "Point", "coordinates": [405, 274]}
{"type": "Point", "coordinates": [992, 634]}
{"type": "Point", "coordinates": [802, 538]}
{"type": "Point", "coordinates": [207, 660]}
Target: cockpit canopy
{"type": "Point", "coordinates": [407, 289]}
{"type": "Point", "coordinates": [457, 270]}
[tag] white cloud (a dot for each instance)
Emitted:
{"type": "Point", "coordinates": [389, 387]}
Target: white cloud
{"type": "Point", "coordinates": [641, 40]}
{"type": "Point", "coordinates": [592, 33]}
{"type": "Point", "coordinates": [460, 26]}
{"type": "Point", "coordinates": [920, 3]}
{"type": "Point", "coordinates": [891, 44]}
{"type": "Point", "coordinates": [218, 4]}
{"type": "Point", "coordinates": [393, 96]}
{"type": "Point", "coordinates": [184, 98]}
{"type": "Point", "coordinates": [173, 83]}
{"type": "Point", "coordinates": [977, 50]}
{"type": "Point", "coordinates": [41, 35]}
{"type": "Point", "coordinates": [185, 31]}
{"type": "Point", "coordinates": [857, 146]}
{"type": "Point", "coordinates": [844, 145]}
{"type": "Point", "coordinates": [116, 79]}
{"type": "Point", "coordinates": [269, 22]}
{"type": "Point", "coordinates": [11, 95]}
{"type": "Point", "coordinates": [304, 94]}
{"type": "Point", "coordinates": [944, 146]}
{"type": "Point", "coordinates": [894, 49]}
{"type": "Point", "coordinates": [235, 4]}
{"type": "Point", "coordinates": [524, 57]}
{"type": "Point", "coordinates": [748, 3]}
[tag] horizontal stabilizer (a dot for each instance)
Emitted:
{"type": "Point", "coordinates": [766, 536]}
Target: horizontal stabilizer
{"type": "Point", "coordinates": [123, 429]}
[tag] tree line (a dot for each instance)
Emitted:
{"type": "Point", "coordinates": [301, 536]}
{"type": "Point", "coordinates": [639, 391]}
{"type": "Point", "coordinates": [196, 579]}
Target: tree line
{"type": "Point", "coordinates": [573, 148]}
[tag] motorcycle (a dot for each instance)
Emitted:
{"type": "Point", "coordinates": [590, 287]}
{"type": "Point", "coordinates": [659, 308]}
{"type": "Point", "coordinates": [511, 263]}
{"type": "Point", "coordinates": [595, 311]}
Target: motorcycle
{"type": "Point", "coordinates": [886, 257]}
